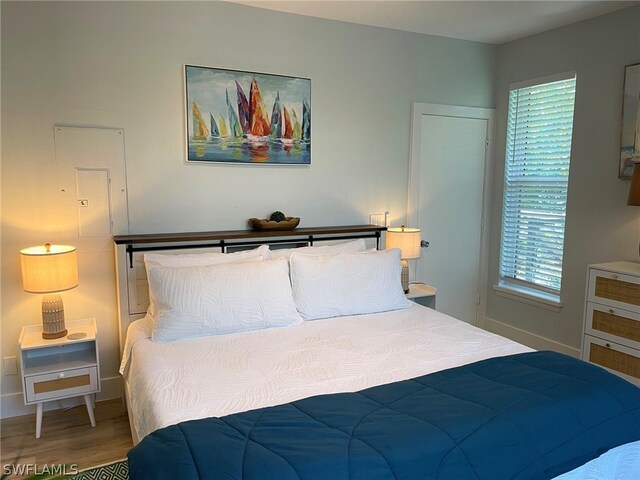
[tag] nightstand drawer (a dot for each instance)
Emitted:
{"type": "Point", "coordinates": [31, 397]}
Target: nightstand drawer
{"type": "Point", "coordinates": [618, 358]}
{"type": "Point", "coordinates": [615, 324]}
{"type": "Point", "coordinates": [80, 381]}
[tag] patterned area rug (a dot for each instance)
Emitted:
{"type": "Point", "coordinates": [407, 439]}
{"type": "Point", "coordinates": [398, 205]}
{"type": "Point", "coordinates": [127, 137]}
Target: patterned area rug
{"type": "Point", "coordinates": [111, 471]}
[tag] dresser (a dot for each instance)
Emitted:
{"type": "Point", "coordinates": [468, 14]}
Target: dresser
{"type": "Point", "coordinates": [612, 318]}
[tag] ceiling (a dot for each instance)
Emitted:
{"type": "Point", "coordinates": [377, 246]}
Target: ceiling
{"type": "Point", "coordinates": [494, 22]}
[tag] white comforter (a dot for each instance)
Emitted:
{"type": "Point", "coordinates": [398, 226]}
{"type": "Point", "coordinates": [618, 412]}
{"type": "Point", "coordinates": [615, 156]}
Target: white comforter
{"type": "Point", "coordinates": [219, 375]}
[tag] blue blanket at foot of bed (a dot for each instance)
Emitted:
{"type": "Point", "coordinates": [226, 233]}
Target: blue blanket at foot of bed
{"type": "Point", "coordinates": [527, 416]}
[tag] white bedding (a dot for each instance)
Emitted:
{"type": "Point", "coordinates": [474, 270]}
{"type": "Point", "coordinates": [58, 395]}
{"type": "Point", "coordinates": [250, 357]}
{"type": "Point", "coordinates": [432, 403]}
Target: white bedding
{"type": "Point", "coordinates": [219, 375]}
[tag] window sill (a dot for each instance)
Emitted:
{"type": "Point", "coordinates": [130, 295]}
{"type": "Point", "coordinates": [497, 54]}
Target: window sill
{"type": "Point", "coordinates": [530, 296]}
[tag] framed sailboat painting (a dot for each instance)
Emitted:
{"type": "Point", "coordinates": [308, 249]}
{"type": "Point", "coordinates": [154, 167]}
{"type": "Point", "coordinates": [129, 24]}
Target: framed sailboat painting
{"type": "Point", "coordinates": [247, 118]}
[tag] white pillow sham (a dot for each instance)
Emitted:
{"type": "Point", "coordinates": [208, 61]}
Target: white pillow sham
{"type": "Point", "coordinates": [197, 260]}
{"type": "Point", "coordinates": [347, 284]}
{"type": "Point", "coordinates": [351, 246]}
{"type": "Point", "coordinates": [200, 259]}
{"type": "Point", "coordinates": [220, 299]}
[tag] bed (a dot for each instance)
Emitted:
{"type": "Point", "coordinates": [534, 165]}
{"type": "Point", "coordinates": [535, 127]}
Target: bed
{"type": "Point", "coordinates": [204, 389]}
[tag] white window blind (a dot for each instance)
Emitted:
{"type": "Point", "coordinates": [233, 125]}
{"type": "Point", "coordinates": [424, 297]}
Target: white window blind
{"type": "Point", "coordinates": [538, 151]}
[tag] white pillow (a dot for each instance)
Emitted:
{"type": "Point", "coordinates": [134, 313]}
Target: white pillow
{"type": "Point", "coordinates": [352, 246]}
{"type": "Point", "coordinates": [219, 299]}
{"type": "Point", "coordinates": [197, 260]}
{"type": "Point", "coordinates": [200, 259]}
{"type": "Point", "coordinates": [347, 283]}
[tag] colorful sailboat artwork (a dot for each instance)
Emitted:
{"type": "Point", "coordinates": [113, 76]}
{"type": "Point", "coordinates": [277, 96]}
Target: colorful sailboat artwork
{"type": "Point", "coordinates": [276, 118]}
{"type": "Point", "coordinates": [243, 109]}
{"type": "Point", "coordinates": [297, 130]}
{"type": "Point", "coordinates": [306, 121]}
{"type": "Point", "coordinates": [224, 131]}
{"type": "Point", "coordinates": [199, 127]}
{"type": "Point", "coordinates": [262, 128]}
{"type": "Point", "coordinates": [214, 127]}
{"type": "Point", "coordinates": [287, 135]}
{"type": "Point", "coordinates": [259, 128]}
{"type": "Point", "coordinates": [234, 124]}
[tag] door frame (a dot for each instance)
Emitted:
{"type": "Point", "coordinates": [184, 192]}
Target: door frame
{"type": "Point", "coordinates": [413, 199]}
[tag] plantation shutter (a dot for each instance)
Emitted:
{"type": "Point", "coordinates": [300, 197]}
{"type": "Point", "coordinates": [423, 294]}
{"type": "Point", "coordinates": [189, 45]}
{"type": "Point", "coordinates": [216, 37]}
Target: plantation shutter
{"type": "Point", "coordinates": [538, 150]}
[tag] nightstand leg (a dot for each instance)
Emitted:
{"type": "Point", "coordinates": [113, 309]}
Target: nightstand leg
{"type": "Point", "coordinates": [89, 403]}
{"type": "Point", "coordinates": [39, 419]}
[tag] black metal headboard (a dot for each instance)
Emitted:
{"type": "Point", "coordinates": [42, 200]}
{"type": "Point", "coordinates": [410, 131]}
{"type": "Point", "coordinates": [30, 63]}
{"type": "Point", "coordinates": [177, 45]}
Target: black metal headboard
{"type": "Point", "coordinates": [242, 238]}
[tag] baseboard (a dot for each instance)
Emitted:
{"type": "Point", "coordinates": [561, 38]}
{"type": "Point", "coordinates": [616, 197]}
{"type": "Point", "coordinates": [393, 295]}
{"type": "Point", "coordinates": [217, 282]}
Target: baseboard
{"type": "Point", "coordinates": [527, 338]}
{"type": "Point", "coordinates": [12, 404]}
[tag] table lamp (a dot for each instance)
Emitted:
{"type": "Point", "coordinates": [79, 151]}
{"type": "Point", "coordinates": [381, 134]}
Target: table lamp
{"type": "Point", "coordinates": [408, 241]}
{"type": "Point", "coordinates": [50, 269]}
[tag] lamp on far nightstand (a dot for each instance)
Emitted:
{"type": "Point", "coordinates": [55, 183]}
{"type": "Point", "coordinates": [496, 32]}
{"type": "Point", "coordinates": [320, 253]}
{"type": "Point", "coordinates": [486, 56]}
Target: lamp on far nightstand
{"type": "Point", "coordinates": [50, 269]}
{"type": "Point", "coordinates": [408, 241]}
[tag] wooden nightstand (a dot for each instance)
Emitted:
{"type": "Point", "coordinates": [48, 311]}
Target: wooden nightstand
{"type": "Point", "coordinates": [60, 368]}
{"type": "Point", "coordinates": [422, 294]}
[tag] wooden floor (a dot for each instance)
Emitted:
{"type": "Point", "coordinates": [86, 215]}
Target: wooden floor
{"type": "Point", "coordinates": [67, 437]}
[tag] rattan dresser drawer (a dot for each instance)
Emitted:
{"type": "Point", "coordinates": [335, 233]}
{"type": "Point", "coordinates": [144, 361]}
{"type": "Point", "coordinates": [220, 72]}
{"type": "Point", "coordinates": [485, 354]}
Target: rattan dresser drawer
{"type": "Point", "coordinates": [614, 324]}
{"type": "Point", "coordinates": [39, 388]}
{"type": "Point", "coordinates": [611, 329]}
{"type": "Point", "coordinates": [615, 289]}
{"type": "Point", "coordinates": [619, 359]}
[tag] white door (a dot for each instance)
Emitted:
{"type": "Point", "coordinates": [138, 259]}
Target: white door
{"type": "Point", "coordinates": [448, 194]}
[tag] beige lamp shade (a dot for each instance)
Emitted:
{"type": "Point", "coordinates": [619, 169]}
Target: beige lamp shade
{"type": "Point", "coordinates": [406, 239]}
{"type": "Point", "coordinates": [49, 268]}
{"type": "Point", "coordinates": [634, 189]}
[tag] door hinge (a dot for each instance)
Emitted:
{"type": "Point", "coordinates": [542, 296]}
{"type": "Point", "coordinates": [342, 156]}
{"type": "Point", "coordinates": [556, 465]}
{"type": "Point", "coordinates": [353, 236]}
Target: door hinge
{"type": "Point", "coordinates": [477, 299]}
{"type": "Point", "coordinates": [486, 143]}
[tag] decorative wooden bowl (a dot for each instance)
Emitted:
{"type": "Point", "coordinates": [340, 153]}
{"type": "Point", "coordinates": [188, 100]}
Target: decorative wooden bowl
{"type": "Point", "coordinates": [263, 224]}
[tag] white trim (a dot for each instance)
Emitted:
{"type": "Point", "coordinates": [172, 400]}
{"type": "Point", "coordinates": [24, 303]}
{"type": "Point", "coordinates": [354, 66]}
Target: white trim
{"type": "Point", "coordinates": [530, 296]}
{"type": "Point", "coordinates": [413, 197]}
{"type": "Point", "coordinates": [12, 404]}
{"type": "Point", "coordinates": [527, 338]}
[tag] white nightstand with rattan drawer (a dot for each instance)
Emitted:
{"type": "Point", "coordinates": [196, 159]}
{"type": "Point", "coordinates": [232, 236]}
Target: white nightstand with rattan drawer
{"type": "Point", "coordinates": [612, 318]}
{"type": "Point", "coordinates": [60, 368]}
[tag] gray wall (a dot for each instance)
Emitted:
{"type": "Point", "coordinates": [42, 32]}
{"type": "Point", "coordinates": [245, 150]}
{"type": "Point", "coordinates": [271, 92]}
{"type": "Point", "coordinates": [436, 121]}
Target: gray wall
{"type": "Point", "coordinates": [119, 64]}
{"type": "Point", "coordinates": [600, 227]}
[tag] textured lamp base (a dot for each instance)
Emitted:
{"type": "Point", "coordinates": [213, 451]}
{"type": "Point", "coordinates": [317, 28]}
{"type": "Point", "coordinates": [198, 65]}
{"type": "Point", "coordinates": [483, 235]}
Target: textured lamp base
{"type": "Point", "coordinates": [404, 276]}
{"type": "Point", "coordinates": [50, 336]}
{"type": "Point", "coordinates": [53, 317]}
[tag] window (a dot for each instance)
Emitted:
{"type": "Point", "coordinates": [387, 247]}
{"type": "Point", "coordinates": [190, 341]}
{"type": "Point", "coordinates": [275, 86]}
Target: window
{"type": "Point", "coordinates": [538, 151]}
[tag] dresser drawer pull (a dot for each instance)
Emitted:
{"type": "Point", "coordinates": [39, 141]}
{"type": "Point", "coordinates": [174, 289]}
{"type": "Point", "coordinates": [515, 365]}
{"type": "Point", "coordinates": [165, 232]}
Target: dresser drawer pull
{"type": "Point", "coordinates": [612, 311]}
{"type": "Point", "coordinates": [61, 375]}
{"type": "Point", "coordinates": [614, 277]}
{"type": "Point", "coordinates": [607, 345]}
